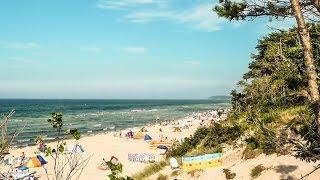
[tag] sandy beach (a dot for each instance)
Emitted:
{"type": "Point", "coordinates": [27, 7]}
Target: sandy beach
{"type": "Point", "coordinates": [110, 144]}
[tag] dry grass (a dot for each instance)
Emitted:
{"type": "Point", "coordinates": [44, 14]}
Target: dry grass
{"type": "Point", "coordinates": [150, 170]}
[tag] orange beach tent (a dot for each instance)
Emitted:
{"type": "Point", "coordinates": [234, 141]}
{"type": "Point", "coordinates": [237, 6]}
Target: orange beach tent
{"type": "Point", "coordinates": [139, 135]}
{"type": "Point", "coordinates": [33, 162]}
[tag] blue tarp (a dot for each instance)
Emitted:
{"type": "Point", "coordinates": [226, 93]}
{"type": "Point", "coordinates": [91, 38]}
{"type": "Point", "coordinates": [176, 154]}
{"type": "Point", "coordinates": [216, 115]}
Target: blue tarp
{"type": "Point", "coordinates": [42, 160]}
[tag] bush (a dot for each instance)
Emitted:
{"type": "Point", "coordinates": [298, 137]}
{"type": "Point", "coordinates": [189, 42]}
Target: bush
{"type": "Point", "coordinates": [189, 143]}
{"type": "Point", "coordinates": [162, 177]}
{"type": "Point", "coordinates": [252, 143]}
{"type": "Point", "coordinates": [210, 138]}
{"type": "Point", "coordinates": [249, 153]}
{"type": "Point", "coordinates": [195, 173]}
{"type": "Point", "coordinates": [175, 173]}
{"type": "Point", "coordinates": [229, 174]}
{"type": "Point", "coordinates": [220, 133]}
{"type": "Point", "coordinates": [256, 171]}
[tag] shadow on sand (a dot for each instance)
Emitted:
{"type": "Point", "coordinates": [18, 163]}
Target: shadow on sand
{"type": "Point", "coordinates": [285, 171]}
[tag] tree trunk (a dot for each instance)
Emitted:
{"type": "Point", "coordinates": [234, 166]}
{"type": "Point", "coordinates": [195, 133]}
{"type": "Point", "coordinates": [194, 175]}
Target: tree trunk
{"type": "Point", "coordinates": [308, 60]}
{"type": "Point", "coordinates": [316, 4]}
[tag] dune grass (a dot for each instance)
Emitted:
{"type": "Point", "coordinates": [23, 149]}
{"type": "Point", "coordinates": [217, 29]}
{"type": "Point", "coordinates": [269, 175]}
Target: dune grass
{"type": "Point", "coordinates": [162, 177]}
{"type": "Point", "coordinates": [256, 171]}
{"type": "Point", "coordinates": [150, 170]}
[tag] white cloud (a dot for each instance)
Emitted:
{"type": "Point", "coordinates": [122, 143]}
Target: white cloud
{"type": "Point", "coordinates": [123, 4]}
{"type": "Point", "coordinates": [200, 17]}
{"type": "Point", "coordinates": [19, 45]}
{"type": "Point", "coordinates": [91, 49]}
{"type": "Point", "coordinates": [197, 16]}
{"type": "Point", "coordinates": [135, 49]}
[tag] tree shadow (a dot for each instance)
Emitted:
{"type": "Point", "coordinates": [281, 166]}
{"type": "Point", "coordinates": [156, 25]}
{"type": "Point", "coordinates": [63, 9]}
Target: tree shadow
{"type": "Point", "coordinates": [285, 170]}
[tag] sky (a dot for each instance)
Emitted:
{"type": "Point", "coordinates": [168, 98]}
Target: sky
{"type": "Point", "coordinates": [122, 49]}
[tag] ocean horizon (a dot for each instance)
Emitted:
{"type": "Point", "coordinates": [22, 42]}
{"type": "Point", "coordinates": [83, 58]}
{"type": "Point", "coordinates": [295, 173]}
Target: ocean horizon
{"type": "Point", "coordinates": [93, 116]}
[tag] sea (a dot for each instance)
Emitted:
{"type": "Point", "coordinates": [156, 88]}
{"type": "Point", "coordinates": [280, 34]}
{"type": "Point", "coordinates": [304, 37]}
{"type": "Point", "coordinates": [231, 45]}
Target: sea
{"type": "Point", "coordinates": [95, 116]}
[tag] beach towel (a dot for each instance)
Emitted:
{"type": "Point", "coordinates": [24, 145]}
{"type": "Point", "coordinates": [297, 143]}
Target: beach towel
{"type": "Point", "coordinates": [190, 163]}
{"type": "Point", "coordinates": [141, 157]}
{"type": "Point", "coordinates": [23, 168]}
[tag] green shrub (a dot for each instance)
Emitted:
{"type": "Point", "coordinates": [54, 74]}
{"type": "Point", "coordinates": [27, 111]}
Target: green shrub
{"type": "Point", "coordinates": [252, 143]}
{"type": "Point", "coordinates": [162, 177]}
{"type": "Point", "coordinates": [229, 174]}
{"type": "Point", "coordinates": [249, 153]}
{"type": "Point", "coordinates": [210, 138]}
{"type": "Point", "coordinates": [220, 133]}
{"type": "Point", "coordinates": [188, 143]}
{"type": "Point", "coordinates": [175, 173]}
{"type": "Point", "coordinates": [256, 171]}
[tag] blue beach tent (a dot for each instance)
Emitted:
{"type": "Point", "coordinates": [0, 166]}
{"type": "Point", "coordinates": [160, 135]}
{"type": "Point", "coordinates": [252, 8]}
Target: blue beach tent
{"type": "Point", "coordinates": [42, 160]}
{"type": "Point", "coordinates": [147, 137]}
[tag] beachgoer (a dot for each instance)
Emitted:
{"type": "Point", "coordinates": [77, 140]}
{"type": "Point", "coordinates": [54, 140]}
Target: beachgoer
{"type": "Point", "coordinates": [23, 158]}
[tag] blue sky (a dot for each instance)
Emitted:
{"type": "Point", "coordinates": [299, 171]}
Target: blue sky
{"type": "Point", "coordinates": [122, 49]}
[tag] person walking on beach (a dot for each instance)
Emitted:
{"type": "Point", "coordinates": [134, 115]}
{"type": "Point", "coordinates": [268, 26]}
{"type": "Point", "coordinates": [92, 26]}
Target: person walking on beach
{"type": "Point", "coordinates": [160, 134]}
{"type": "Point", "coordinates": [23, 158]}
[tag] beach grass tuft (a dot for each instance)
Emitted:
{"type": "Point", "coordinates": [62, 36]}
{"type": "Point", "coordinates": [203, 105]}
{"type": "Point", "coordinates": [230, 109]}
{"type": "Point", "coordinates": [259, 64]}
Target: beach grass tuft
{"type": "Point", "coordinates": [175, 173]}
{"type": "Point", "coordinates": [256, 171]}
{"type": "Point", "coordinates": [195, 173]}
{"type": "Point", "coordinates": [150, 170]}
{"type": "Point", "coordinates": [229, 174]}
{"type": "Point", "coordinates": [162, 177]}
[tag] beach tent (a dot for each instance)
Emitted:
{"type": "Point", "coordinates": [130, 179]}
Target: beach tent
{"type": "Point", "coordinates": [139, 135]}
{"type": "Point", "coordinates": [173, 163]}
{"type": "Point", "coordinates": [177, 129]}
{"type": "Point", "coordinates": [147, 137]}
{"type": "Point", "coordinates": [42, 160]}
{"type": "Point", "coordinates": [33, 162]}
{"type": "Point", "coordinates": [162, 147]}
{"type": "Point", "coordinates": [77, 148]}
{"type": "Point", "coordinates": [155, 144]}
{"type": "Point", "coordinates": [129, 134]}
